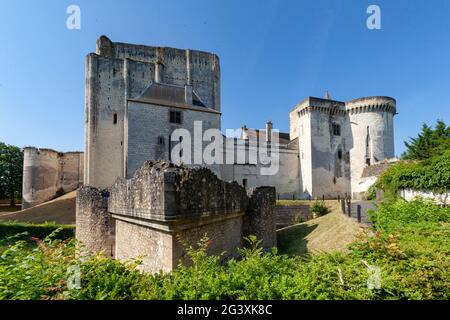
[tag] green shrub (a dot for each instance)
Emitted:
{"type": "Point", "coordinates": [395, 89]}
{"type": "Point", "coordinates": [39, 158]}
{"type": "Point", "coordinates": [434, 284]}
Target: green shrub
{"type": "Point", "coordinates": [318, 208]}
{"type": "Point", "coordinates": [40, 231]}
{"type": "Point", "coordinates": [433, 174]}
{"type": "Point", "coordinates": [371, 193]}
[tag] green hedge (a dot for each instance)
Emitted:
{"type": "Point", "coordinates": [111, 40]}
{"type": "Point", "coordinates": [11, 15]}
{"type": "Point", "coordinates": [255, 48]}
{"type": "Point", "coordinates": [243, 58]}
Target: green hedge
{"type": "Point", "coordinates": [433, 174]}
{"type": "Point", "coordinates": [40, 231]}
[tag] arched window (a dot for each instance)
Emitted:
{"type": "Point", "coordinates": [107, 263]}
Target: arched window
{"type": "Point", "coordinates": [115, 118]}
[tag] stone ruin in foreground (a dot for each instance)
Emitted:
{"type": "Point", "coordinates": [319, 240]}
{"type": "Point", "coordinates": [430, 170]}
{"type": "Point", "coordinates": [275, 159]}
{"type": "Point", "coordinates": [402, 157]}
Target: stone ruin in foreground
{"type": "Point", "coordinates": [164, 207]}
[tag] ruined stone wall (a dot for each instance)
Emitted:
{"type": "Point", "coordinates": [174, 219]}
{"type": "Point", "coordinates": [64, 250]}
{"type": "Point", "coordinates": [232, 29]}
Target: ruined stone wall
{"type": "Point", "coordinates": [165, 208]}
{"type": "Point", "coordinates": [260, 219]}
{"type": "Point", "coordinates": [48, 174]}
{"type": "Point", "coordinates": [95, 227]}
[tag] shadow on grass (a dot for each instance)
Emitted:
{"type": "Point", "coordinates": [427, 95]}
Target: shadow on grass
{"type": "Point", "coordinates": [292, 240]}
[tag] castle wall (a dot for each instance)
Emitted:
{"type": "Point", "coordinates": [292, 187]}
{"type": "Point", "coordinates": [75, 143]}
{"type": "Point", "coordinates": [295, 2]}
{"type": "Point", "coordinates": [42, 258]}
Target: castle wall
{"type": "Point", "coordinates": [48, 173]}
{"type": "Point", "coordinates": [330, 165]}
{"type": "Point", "coordinates": [305, 156]}
{"type": "Point", "coordinates": [149, 123]}
{"type": "Point", "coordinates": [286, 181]}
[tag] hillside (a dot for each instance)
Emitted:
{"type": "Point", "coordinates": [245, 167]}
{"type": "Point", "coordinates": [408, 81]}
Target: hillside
{"type": "Point", "coordinates": [60, 210]}
{"type": "Point", "coordinates": [333, 231]}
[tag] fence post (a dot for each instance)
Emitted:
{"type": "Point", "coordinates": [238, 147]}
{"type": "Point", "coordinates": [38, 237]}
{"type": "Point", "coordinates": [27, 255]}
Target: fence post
{"type": "Point", "coordinates": [343, 206]}
{"type": "Point", "coordinates": [358, 212]}
{"type": "Point", "coordinates": [323, 197]}
{"type": "Point", "coordinates": [349, 208]}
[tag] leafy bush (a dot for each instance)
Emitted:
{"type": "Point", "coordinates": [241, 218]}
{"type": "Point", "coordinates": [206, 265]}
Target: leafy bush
{"type": "Point", "coordinates": [433, 174]}
{"type": "Point", "coordinates": [371, 193]}
{"type": "Point", "coordinates": [319, 208]}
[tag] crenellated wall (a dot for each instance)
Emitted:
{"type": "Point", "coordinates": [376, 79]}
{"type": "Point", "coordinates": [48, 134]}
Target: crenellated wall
{"type": "Point", "coordinates": [48, 174]}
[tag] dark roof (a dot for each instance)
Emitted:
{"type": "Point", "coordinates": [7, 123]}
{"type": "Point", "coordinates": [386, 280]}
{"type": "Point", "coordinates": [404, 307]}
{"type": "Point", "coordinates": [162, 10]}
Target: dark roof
{"type": "Point", "coordinates": [168, 93]}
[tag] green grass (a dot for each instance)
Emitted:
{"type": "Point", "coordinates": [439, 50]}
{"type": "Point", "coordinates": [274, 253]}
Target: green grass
{"type": "Point", "coordinates": [333, 231]}
{"type": "Point", "coordinates": [409, 243]}
{"type": "Point", "coordinates": [293, 202]}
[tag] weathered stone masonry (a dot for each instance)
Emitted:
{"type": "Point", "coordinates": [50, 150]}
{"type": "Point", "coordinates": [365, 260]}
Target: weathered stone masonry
{"type": "Point", "coordinates": [165, 207]}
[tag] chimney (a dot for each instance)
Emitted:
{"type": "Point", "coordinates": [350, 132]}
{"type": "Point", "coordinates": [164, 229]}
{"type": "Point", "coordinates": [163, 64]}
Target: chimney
{"type": "Point", "coordinates": [244, 133]}
{"type": "Point", "coordinates": [269, 127]}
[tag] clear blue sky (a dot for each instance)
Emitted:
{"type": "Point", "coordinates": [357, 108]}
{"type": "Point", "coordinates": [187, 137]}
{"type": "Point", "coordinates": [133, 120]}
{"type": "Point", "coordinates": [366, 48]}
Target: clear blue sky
{"type": "Point", "coordinates": [273, 54]}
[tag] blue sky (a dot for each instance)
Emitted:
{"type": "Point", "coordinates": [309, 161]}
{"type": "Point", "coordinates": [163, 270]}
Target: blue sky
{"type": "Point", "coordinates": [273, 54]}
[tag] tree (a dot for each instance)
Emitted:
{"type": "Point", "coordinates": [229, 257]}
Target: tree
{"type": "Point", "coordinates": [11, 168]}
{"type": "Point", "coordinates": [428, 143]}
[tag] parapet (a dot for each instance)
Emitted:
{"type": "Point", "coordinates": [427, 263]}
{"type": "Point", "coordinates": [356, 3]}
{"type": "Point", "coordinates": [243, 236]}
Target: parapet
{"type": "Point", "coordinates": [372, 104]}
{"type": "Point", "coordinates": [366, 104]}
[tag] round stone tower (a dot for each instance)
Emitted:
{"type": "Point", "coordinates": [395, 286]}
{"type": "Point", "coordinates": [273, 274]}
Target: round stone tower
{"type": "Point", "coordinates": [40, 175]}
{"type": "Point", "coordinates": [372, 133]}
{"type": "Point", "coordinates": [48, 174]}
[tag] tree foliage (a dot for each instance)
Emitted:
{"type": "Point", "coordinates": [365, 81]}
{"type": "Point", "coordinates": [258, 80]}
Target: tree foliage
{"type": "Point", "coordinates": [432, 174]}
{"type": "Point", "coordinates": [428, 143]}
{"type": "Point", "coordinates": [11, 167]}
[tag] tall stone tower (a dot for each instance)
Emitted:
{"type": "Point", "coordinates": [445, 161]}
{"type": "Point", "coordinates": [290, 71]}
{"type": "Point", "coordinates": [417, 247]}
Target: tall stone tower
{"type": "Point", "coordinates": [135, 97]}
{"type": "Point", "coordinates": [337, 140]}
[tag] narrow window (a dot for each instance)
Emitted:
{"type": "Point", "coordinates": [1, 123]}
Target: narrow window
{"type": "Point", "coordinates": [175, 117]}
{"type": "Point", "coordinates": [161, 141]}
{"type": "Point", "coordinates": [336, 129]}
{"type": "Point", "coordinates": [244, 183]}
{"type": "Point", "coordinates": [339, 154]}
{"type": "Point", "coordinates": [115, 118]}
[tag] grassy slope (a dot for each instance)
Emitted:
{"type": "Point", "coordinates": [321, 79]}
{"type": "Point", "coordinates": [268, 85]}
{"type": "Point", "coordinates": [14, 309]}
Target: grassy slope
{"type": "Point", "coordinates": [60, 210]}
{"type": "Point", "coordinates": [333, 231]}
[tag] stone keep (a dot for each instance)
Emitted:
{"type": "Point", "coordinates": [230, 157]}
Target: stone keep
{"type": "Point", "coordinates": [165, 208]}
{"type": "Point", "coordinates": [131, 91]}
